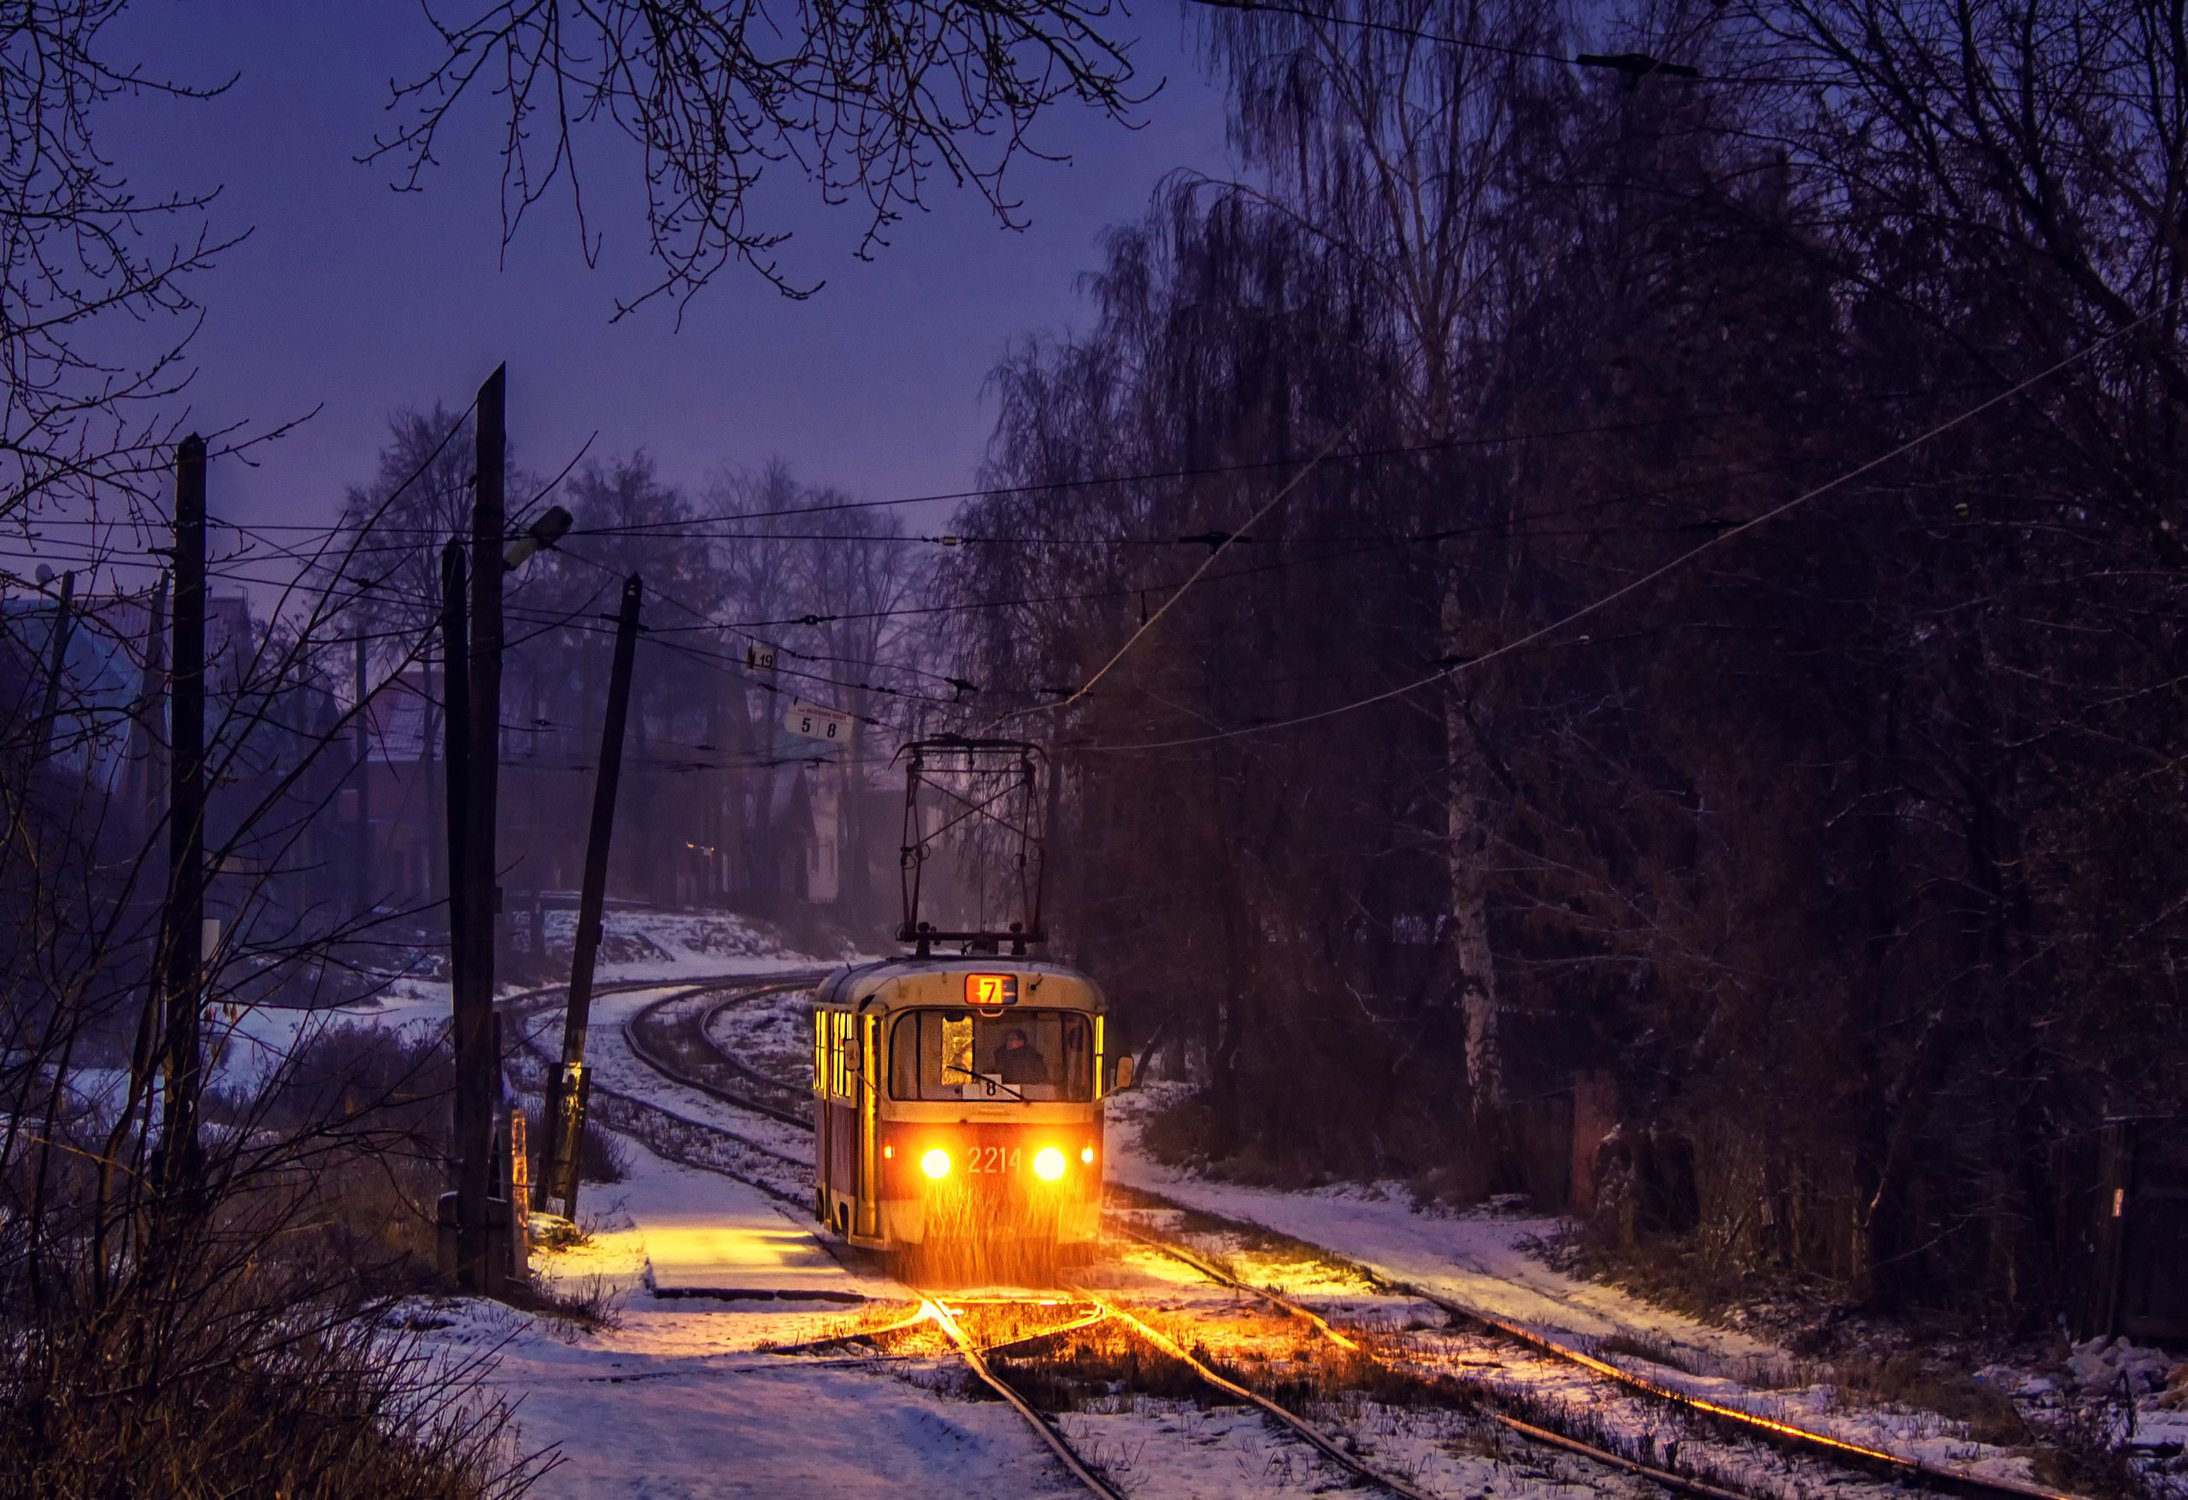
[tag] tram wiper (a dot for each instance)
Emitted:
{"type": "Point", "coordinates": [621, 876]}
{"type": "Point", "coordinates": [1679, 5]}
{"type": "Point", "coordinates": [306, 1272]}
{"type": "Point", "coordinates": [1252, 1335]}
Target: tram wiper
{"type": "Point", "coordinates": [992, 1083]}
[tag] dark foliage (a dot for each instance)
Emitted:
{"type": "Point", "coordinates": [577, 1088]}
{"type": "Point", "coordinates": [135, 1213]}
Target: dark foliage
{"type": "Point", "coordinates": [1734, 644]}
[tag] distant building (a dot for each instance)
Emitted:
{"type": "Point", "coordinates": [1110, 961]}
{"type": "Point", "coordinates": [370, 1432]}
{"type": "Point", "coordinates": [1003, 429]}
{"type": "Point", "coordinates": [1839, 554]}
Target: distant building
{"type": "Point", "coordinates": [95, 739]}
{"type": "Point", "coordinates": [696, 827]}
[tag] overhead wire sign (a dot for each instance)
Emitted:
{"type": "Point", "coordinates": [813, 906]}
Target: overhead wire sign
{"type": "Point", "coordinates": [818, 723]}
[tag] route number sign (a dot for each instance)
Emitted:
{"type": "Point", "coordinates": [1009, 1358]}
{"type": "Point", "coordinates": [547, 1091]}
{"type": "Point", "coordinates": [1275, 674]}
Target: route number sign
{"type": "Point", "coordinates": [818, 723]}
{"type": "Point", "coordinates": [991, 991]}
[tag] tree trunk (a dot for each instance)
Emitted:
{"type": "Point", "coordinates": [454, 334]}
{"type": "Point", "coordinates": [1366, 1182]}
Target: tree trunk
{"type": "Point", "coordinates": [1466, 858]}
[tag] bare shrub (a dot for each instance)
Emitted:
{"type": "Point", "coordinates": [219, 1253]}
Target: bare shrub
{"type": "Point", "coordinates": [602, 1155]}
{"type": "Point", "coordinates": [237, 1356]}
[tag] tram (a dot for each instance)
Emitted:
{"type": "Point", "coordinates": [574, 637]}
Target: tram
{"type": "Point", "coordinates": [957, 1107]}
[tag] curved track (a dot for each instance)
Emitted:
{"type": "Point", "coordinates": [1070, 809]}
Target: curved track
{"type": "Point", "coordinates": [670, 1036]}
{"type": "Point", "coordinates": [730, 1082]}
{"type": "Point", "coordinates": [699, 1064]}
{"type": "Point", "coordinates": [651, 1034]}
{"type": "Point", "coordinates": [690, 1143]}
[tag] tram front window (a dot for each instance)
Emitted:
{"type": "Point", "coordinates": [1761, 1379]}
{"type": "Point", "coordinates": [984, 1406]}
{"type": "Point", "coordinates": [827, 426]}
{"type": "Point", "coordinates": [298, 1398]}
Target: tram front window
{"type": "Point", "coordinates": [956, 1054]}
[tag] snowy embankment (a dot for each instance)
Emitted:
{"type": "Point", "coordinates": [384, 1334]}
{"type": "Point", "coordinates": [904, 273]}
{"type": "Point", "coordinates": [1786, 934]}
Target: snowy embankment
{"type": "Point", "coordinates": [669, 946]}
{"type": "Point", "coordinates": [1480, 1258]}
{"type": "Point", "coordinates": [1487, 1260]}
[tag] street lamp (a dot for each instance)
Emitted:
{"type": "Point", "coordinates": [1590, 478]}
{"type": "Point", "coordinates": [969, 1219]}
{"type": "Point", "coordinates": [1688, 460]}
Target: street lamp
{"type": "Point", "coordinates": [540, 535]}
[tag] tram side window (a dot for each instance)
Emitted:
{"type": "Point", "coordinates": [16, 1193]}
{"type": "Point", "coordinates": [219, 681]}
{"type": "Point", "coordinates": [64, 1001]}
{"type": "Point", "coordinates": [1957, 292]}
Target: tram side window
{"type": "Point", "coordinates": [842, 1054]}
{"type": "Point", "coordinates": [1031, 1055]}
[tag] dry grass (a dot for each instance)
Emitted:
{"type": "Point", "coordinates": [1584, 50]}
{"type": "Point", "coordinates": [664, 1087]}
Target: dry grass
{"type": "Point", "coordinates": [586, 1304]}
{"type": "Point", "coordinates": [1655, 1351]}
{"type": "Point", "coordinates": [1907, 1379]}
{"type": "Point", "coordinates": [887, 1327]}
{"type": "Point", "coordinates": [1100, 1368]}
{"type": "Point", "coordinates": [602, 1155]}
{"type": "Point", "coordinates": [241, 1337]}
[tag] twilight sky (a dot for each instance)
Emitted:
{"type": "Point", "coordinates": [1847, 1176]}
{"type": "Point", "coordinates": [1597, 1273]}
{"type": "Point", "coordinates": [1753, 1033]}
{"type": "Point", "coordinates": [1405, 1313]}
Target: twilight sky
{"type": "Point", "coordinates": [350, 294]}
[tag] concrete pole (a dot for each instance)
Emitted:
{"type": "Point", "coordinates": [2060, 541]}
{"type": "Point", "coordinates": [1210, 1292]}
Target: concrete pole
{"type": "Point", "coordinates": [567, 1088]}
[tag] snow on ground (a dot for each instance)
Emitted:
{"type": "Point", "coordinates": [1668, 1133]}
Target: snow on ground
{"type": "Point", "coordinates": [614, 1066]}
{"type": "Point", "coordinates": [772, 1035]}
{"type": "Point", "coordinates": [1482, 1259]}
{"type": "Point", "coordinates": [675, 945]}
{"type": "Point", "coordinates": [244, 1048]}
{"type": "Point", "coordinates": [671, 946]}
{"type": "Point", "coordinates": [1445, 1451]}
{"type": "Point", "coordinates": [679, 1400]}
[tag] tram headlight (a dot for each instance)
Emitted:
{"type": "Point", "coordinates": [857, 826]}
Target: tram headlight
{"type": "Point", "coordinates": [936, 1163]}
{"type": "Point", "coordinates": [1048, 1164]}
{"type": "Point", "coordinates": [1086, 1154]}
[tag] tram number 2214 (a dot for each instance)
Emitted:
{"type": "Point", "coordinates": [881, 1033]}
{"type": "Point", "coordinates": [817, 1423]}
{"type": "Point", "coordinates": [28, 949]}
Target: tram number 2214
{"type": "Point", "coordinates": [992, 1159]}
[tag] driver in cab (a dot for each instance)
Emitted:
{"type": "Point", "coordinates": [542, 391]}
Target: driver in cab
{"type": "Point", "coordinates": [1018, 1060]}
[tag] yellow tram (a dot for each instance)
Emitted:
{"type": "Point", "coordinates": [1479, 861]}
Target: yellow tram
{"type": "Point", "coordinates": [957, 1108]}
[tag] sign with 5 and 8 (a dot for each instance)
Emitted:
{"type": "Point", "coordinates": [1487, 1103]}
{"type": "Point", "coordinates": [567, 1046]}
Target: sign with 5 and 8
{"type": "Point", "coordinates": [818, 723]}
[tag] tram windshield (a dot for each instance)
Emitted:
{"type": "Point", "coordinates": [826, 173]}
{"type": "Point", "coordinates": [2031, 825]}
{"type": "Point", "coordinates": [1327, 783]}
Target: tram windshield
{"type": "Point", "coordinates": [1024, 1054]}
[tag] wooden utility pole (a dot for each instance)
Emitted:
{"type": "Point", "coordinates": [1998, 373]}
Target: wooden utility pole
{"type": "Point", "coordinates": [142, 786]}
{"type": "Point", "coordinates": [56, 669]}
{"type": "Point", "coordinates": [478, 1066]}
{"type": "Point", "coordinates": [456, 803]}
{"type": "Point", "coordinates": [185, 915]}
{"type": "Point", "coordinates": [568, 1085]}
{"type": "Point", "coordinates": [363, 774]}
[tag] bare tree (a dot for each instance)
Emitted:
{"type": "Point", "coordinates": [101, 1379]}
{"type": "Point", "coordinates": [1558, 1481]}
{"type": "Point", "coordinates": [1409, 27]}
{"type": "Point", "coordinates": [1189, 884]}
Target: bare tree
{"type": "Point", "coordinates": [95, 309]}
{"type": "Point", "coordinates": [214, 1327]}
{"type": "Point", "coordinates": [867, 102]}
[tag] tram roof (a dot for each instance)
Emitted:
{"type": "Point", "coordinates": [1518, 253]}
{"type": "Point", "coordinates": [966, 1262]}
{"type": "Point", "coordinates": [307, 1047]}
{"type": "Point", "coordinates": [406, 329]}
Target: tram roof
{"type": "Point", "coordinates": [859, 983]}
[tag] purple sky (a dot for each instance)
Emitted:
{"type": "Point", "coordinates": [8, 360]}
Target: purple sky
{"type": "Point", "coordinates": [353, 295]}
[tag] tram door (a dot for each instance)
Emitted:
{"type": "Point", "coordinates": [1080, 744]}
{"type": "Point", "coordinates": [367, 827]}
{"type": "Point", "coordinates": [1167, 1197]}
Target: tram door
{"type": "Point", "coordinates": [846, 1053]}
{"type": "Point", "coordinates": [866, 1156]}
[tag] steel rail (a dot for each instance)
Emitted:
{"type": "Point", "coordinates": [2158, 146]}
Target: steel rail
{"type": "Point", "coordinates": [917, 1318]}
{"type": "Point", "coordinates": [651, 1057]}
{"type": "Point", "coordinates": [1322, 1441]}
{"type": "Point", "coordinates": [1679, 1483]}
{"type": "Point", "coordinates": [1078, 1467]}
{"type": "Point", "coordinates": [736, 1064]}
{"type": "Point", "coordinates": [1901, 1468]}
{"type": "Point", "coordinates": [864, 1335]}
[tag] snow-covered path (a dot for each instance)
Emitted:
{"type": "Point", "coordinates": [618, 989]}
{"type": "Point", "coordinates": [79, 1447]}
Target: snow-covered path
{"type": "Point", "coordinates": [678, 1400]}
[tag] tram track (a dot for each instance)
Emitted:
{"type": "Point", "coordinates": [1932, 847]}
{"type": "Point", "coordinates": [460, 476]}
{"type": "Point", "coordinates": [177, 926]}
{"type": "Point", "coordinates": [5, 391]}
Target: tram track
{"type": "Point", "coordinates": [1788, 1437]}
{"type": "Point", "coordinates": [642, 1033]}
{"type": "Point", "coordinates": [1074, 1463]}
{"type": "Point", "coordinates": [668, 1042]}
{"type": "Point", "coordinates": [703, 1070]}
{"type": "Point", "coordinates": [673, 1136]}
